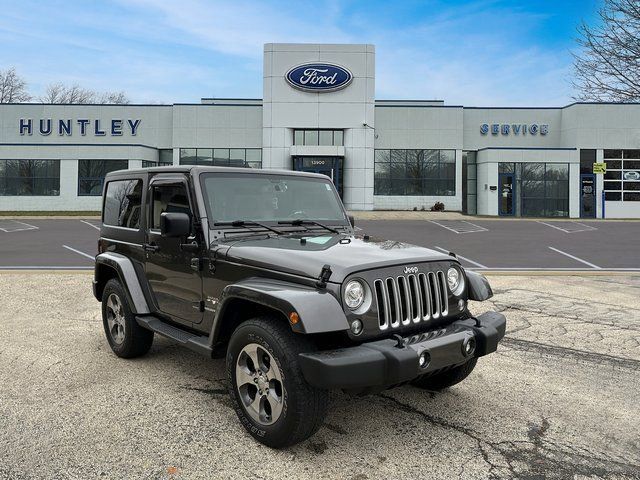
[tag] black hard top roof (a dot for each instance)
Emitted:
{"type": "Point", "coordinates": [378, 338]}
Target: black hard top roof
{"type": "Point", "coordinates": [197, 169]}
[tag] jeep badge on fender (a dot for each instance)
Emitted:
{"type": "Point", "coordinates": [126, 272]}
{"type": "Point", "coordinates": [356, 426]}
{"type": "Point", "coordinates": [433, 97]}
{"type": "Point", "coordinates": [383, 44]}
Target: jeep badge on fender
{"type": "Point", "coordinates": [263, 268]}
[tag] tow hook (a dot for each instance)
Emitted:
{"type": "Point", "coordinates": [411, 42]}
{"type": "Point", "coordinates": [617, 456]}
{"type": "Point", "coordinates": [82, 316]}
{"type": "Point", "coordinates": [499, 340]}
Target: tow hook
{"type": "Point", "coordinates": [400, 342]}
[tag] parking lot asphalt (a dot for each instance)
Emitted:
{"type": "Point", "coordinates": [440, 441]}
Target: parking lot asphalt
{"type": "Point", "coordinates": [497, 245]}
{"type": "Point", "coordinates": [558, 400]}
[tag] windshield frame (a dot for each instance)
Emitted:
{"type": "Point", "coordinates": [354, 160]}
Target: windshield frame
{"type": "Point", "coordinates": [344, 222]}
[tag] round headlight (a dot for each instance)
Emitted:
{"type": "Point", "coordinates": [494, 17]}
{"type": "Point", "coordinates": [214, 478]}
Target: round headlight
{"type": "Point", "coordinates": [455, 281]}
{"type": "Point", "coordinates": [354, 294]}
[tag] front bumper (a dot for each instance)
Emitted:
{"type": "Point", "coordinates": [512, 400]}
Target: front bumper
{"type": "Point", "coordinates": [392, 361]}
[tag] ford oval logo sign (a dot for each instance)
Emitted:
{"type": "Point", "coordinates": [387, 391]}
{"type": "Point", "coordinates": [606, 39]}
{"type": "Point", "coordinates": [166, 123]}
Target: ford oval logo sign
{"type": "Point", "coordinates": [319, 77]}
{"type": "Point", "coordinates": [631, 175]}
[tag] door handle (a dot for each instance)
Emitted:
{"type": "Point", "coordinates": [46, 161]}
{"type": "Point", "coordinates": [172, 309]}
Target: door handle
{"type": "Point", "coordinates": [196, 264]}
{"type": "Point", "coordinates": [150, 247]}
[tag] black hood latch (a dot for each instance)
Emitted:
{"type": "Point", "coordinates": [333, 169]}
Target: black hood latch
{"type": "Point", "coordinates": [325, 274]}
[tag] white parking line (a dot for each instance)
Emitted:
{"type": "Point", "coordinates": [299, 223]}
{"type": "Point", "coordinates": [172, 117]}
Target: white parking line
{"type": "Point", "coordinates": [475, 228]}
{"type": "Point", "coordinates": [90, 224]}
{"type": "Point", "coordinates": [468, 260]}
{"type": "Point", "coordinates": [79, 252]}
{"type": "Point", "coordinates": [576, 258]}
{"type": "Point", "coordinates": [11, 229]}
{"type": "Point", "coordinates": [586, 228]}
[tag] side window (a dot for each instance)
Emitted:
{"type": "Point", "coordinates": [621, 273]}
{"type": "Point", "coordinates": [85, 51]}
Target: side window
{"type": "Point", "coordinates": [122, 203]}
{"type": "Point", "coordinates": [168, 198]}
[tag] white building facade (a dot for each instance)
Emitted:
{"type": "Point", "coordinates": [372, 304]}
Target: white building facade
{"type": "Point", "coordinates": [319, 113]}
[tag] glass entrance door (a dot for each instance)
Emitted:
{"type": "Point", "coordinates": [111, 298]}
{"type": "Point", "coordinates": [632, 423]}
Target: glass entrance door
{"type": "Point", "coordinates": [506, 193]}
{"type": "Point", "coordinates": [329, 166]}
{"type": "Point", "coordinates": [587, 196]}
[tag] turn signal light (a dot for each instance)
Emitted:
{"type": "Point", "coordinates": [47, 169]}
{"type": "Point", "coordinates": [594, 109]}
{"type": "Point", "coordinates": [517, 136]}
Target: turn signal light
{"type": "Point", "coordinates": [294, 318]}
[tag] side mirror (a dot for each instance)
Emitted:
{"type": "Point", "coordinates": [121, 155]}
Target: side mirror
{"type": "Point", "coordinates": [174, 224]}
{"type": "Point", "coordinates": [352, 220]}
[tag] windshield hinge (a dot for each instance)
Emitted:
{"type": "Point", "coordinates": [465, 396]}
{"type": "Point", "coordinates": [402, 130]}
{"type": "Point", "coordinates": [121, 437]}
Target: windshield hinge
{"type": "Point", "coordinates": [325, 274]}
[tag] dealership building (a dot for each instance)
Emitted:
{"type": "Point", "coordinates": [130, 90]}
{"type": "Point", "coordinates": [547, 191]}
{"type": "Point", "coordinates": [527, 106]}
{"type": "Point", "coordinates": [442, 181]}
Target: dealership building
{"type": "Point", "coordinates": [319, 113]}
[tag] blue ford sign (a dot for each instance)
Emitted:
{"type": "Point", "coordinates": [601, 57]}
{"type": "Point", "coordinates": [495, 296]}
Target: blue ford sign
{"type": "Point", "coordinates": [319, 77]}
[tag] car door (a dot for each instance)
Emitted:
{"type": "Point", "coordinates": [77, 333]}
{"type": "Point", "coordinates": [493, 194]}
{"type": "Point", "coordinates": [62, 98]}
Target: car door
{"type": "Point", "coordinates": [172, 270]}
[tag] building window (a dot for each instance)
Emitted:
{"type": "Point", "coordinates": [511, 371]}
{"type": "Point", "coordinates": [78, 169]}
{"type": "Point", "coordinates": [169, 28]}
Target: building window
{"type": "Point", "coordinates": [318, 137]}
{"type": "Point", "coordinates": [469, 183]}
{"type": "Point", "coordinates": [30, 177]}
{"type": "Point", "coordinates": [587, 159]}
{"type": "Point", "coordinates": [542, 189]}
{"type": "Point", "coordinates": [415, 172]}
{"type": "Point", "coordinates": [122, 204]}
{"type": "Point", "coordinates": [222, 157]}
{"type": "Point", "coordinates": [91, 174]}
{"type": "Point", "coordinates": [622, 180]}
{"type": "Point", "coordinates": [165, 159]}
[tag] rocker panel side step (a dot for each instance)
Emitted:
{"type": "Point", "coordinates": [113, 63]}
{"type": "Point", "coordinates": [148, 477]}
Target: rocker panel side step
{"type": "Point", "coordinates": [197, 343]}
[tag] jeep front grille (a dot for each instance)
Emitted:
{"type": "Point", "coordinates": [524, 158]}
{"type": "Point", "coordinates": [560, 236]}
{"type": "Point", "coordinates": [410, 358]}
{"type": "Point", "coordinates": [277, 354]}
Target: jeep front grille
{"type": "Point", "coordinates": [410, 299]}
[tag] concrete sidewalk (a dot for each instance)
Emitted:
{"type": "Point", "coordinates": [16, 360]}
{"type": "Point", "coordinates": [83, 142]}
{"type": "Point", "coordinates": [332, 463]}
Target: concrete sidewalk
{"type": "Point", "coordinates": [558, 400]}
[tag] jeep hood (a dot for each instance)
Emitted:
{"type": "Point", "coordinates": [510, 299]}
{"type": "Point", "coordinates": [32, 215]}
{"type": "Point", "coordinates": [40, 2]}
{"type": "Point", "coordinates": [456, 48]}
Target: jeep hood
{"type": "Point", "coordinates": [344, 253]}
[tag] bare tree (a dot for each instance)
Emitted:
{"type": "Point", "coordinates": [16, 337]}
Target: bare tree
{"type": "Point", "coordinates": [13, 89]}
{"type": "Point", "coordinates": [75, 94]}
{"type": "Point", "coordinates": [608, 66]}
{"type": "Point", "coordinates": [114, 97]}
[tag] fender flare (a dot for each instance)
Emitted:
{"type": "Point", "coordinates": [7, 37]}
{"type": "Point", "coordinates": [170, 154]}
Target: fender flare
{"type": "Point", "coordinates": [479, 288]}
{"type": "Point", "coordinates": [318, 310]}
{"type": "Point", "coordinates": [123, 266]}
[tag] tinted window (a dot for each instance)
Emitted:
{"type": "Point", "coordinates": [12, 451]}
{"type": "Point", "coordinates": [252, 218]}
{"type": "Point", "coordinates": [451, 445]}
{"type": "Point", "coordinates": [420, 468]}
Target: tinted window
{"type": "Point", "coordinates": [168, 198]}
{"type": "Point", "coordinates": [627, 169]}
{"type": "Point", "coordinates": [165, 157]}
{"type": "Point", "coordinates": [91, 174]}
{"type": "Point", "coordinates": [415, 172]}
{"type": "Point", "coordinates": [318, 137]}
{"type": "Point", "coordinates": [587, 159]}
{"type": "Point", "coordinates": [122, 203]}
{"type": "Point", "coordinates": [219, 157]}
{"type": "Point", "coordinates": [29, 177]}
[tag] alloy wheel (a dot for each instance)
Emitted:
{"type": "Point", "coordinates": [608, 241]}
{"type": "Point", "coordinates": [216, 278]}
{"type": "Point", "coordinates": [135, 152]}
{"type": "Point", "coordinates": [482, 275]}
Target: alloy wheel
{"type": "Point", "coordinates": [115, 318]}
{"type": "Point", "coordinates": [259, 383]}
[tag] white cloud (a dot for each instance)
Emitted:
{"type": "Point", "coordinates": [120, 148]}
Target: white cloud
{"type": "Point", "coordinates": [182, 50]}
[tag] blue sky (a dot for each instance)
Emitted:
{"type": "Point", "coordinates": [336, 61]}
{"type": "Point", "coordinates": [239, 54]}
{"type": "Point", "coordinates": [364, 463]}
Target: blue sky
{"type": "Point", "coordinates": [476, 53]}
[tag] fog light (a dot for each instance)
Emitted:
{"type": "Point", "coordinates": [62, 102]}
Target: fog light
{"type": "Point", "coordinates": [461, 304]}
{"type": "Point", "coordinates": [423, 359]}
{"type": "Point", "coordinates": [469, 346]}
{"type": "Point", "coordinates": [356, 327]}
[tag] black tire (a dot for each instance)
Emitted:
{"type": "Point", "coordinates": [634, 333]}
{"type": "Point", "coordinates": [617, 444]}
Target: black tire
{"type": "Point", "coordinates": [303, 407]}
{"type": "Point", "coordinates": [132, 340]}
{"type": "Point", "coordinates": [443, 380]}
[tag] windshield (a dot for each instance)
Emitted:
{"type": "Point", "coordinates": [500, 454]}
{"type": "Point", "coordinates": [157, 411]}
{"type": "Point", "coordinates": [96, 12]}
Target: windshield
{"type": "Point", "coordinates": [270, 198]}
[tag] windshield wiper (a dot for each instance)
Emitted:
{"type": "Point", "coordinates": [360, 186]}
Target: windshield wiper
{"type": "Point", "coordinates": [299, 221]}
{"type": "Point", "coordinates": [247, 223]}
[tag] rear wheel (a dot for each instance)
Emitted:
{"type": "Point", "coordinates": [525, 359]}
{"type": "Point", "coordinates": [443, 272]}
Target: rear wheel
{"type": "Point", "coordinates": [270, 395]}
{"type": "Point", "coordinates": [126, 338]}
{"type": "Point", "coordinates": [446, 379]}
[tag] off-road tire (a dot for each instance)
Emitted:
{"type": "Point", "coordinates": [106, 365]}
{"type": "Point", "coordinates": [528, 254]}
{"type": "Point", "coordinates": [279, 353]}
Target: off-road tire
{"type": "Point", "coordinates": [137, 340]}
{"type": "Point", "coordinates": [443, 380]}
{"type": "Point", "coordinates": [304, 407]}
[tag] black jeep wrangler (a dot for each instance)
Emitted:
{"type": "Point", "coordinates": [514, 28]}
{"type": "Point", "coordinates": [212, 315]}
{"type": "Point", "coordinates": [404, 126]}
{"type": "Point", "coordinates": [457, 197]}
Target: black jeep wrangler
{"type": "Point", "coordinates": [264, 268]}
